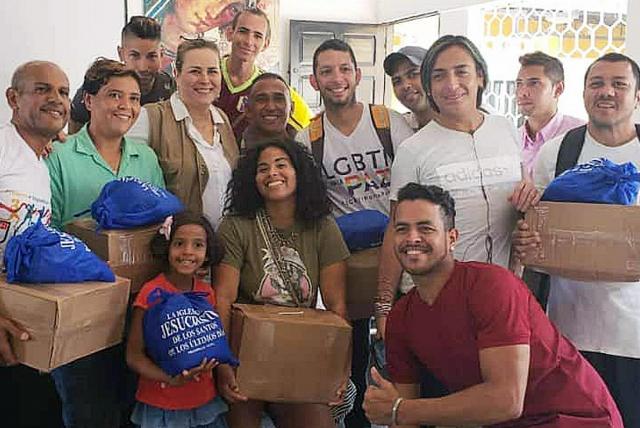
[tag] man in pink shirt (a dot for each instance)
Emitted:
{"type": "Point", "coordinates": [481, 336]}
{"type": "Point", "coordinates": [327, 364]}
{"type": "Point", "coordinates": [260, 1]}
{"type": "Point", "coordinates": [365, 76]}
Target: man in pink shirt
{"type": "Point", "coordinates": [539, 85]}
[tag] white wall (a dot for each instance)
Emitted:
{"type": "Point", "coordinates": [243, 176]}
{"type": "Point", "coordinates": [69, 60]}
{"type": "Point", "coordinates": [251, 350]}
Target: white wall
{"type": "Point", "coordinates": [392, 10]}
{"type": "Point", "coordinates": [74, 32]}
{"type": "Point", "coordinates": [352, 11]}
{"type": "Point", "coordinates": [633, 36]}
{"type": "Point", "coordinates": [633, 30]}
{"type": "Point", "coordinates": [70, 33]}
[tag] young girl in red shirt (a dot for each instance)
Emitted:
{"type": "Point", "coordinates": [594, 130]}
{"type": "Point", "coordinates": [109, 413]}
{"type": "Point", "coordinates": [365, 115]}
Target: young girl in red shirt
{"type": "Point", "coordinates": [187, 244]}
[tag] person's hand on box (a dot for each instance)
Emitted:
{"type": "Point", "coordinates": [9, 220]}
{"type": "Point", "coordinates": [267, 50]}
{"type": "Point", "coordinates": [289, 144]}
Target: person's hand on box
{"type": "Point", "coordinates": [524, 196]}
{"type": "Point", "coordinates": [379, 399]}
{"type": "Point", "coordinates": [524, 240]}
{"type": "Point", "coordinates": [342, 389]}
{"type": "Point", "coordinates": [9, 328]}
{"type": "Point", "coordinates": [192, 375]}
{"type": "Point", "coordinates": [227, 384]}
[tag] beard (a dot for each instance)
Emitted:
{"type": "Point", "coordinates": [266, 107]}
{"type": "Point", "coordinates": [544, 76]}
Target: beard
{"type": "Point", "coordinates": [330, 102]}
{"type": "Point", "coordinates": [428, 262]}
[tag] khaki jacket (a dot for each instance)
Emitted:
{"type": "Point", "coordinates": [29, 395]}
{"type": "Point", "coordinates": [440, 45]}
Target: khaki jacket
{"type": "Point", "coordinates": [184, 169]}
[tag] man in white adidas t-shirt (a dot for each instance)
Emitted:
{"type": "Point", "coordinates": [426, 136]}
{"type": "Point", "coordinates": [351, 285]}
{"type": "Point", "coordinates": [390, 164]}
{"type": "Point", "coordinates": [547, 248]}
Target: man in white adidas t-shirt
{"type": "Point", "coordinates": [355, 163]}
{"type": "Point", "coordinates": [601, 318]}
{"type": "Point", "coordinates": [473, 155]}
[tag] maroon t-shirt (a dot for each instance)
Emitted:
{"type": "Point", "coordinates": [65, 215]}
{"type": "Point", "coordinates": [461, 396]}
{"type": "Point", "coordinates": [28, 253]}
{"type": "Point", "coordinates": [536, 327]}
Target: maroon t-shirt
{"type": "Point", "coordinates": [484, 306]}
{"type": "Point", "coordinates": [234, 105]}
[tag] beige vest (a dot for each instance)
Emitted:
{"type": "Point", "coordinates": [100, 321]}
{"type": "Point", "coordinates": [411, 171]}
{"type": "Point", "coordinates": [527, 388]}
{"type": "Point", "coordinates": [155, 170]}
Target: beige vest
{"type": "Point", "coordinates": [184, 169]}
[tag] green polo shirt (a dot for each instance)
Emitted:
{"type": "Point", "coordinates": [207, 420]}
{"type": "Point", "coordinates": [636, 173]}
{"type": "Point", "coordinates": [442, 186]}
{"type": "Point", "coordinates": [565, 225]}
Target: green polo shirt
{"type": "Point", "coordinates": [78, 173]}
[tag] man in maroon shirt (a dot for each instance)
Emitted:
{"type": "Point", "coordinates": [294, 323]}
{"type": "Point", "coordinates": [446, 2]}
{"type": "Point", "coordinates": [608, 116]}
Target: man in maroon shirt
{"type": "Point", "coordinates": [480, 331]}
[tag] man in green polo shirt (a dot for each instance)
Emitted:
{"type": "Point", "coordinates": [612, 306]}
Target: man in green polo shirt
{"type": "Point", "coordinates": [99, 153]}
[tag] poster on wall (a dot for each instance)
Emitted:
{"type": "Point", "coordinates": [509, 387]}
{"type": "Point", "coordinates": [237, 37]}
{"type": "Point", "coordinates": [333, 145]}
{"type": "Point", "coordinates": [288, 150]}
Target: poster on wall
{"type": "Point", "coordinates": [209, 19]}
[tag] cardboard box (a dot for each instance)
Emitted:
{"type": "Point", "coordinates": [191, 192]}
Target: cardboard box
{"type": "Point", "coordinates": [65, 321]}
{"type": "Point", "coordinates": [590, 242]}
{"type": "Point", "coordinates": [127, 251]}
{"type": "Point", "coordinates": [362, 282]}
{"type": "Point", "coordinates": [291, 355]}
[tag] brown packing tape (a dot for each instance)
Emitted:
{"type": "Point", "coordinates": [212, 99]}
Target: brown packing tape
{"type": "Point", "coordinates": [587, 242]}
{"type": "Point", "coordinates": [130, 246]}
{"type": "Point", "coordinates": [127, 252]}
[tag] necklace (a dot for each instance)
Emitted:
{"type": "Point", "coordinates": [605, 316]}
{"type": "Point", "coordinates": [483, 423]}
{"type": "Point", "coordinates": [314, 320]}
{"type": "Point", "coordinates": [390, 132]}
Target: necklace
{"type": "Point", "coordinates": [278, 246]}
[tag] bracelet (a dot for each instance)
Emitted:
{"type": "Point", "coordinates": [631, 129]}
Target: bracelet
{"type": "Point", "coordinates": [394, 411]}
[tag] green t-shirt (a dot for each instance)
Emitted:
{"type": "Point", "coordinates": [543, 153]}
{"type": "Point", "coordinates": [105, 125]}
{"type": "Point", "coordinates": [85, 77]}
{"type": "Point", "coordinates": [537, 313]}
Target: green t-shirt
{"type": "Point", "coordinates": [78, 173]}
{"type": "Point", "coordinates": [314, 248]}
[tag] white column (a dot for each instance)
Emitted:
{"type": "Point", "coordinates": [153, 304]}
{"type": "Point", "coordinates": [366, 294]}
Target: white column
{"type": "Point", "coordinates": [633, 30]}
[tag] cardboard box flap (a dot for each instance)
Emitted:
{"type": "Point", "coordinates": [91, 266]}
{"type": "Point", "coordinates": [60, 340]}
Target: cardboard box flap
{"type": "Point", "coordinates": [305, 316]}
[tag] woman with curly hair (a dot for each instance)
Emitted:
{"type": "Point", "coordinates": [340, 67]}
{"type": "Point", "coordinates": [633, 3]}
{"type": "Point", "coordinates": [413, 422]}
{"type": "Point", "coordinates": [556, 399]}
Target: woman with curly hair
{"type": "Point", "coordinates": [281, 246]}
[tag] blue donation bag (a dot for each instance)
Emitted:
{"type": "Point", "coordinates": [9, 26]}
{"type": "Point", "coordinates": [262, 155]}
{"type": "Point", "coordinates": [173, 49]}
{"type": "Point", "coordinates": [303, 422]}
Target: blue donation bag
{"type": "Point", "coordinates": [130, 202]}
{"type": "Point", "coordinates": [599, 181]}
{"type": "Point", "coordinates": [43, 254]}
{"type": "Point", "coordinates": [363, 229]}
{"type": "Point", "coordinates": [182, 329]}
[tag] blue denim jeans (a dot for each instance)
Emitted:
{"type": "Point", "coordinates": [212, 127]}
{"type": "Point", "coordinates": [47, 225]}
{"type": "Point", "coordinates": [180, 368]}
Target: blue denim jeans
{"type": "Point", "coordinates": [92, 389]}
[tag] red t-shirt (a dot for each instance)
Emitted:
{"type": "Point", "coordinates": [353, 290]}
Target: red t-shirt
{"type": "Point", "coordinates": [484, 306]}
{"type": "Point", "coordinates": [191, 395]}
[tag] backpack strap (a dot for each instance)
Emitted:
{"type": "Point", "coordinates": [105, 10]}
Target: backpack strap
{"type": "Point", "coordinates": [382, 123]}
{"type": "Point", "coordinates": [316, 136]}
{"type": "Point", "coordinates": [570, 149]}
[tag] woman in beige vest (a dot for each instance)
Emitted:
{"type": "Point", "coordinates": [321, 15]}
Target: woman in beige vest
{"type": "Point", "coordinates": [193, 139]}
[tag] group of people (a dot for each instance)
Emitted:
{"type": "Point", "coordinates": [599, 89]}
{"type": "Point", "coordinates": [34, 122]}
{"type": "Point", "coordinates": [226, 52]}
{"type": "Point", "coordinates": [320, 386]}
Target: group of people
{"type": "Point", "coordinates": [467, 343]}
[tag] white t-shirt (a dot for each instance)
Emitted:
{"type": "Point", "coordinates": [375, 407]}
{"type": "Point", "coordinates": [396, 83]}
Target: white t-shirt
{"type": "Point", "coordinates": [470, 166]}
{"type": "Point", "coordinates": [213, 155]}
{"type": "Point", "coordinates": [25, 192]}
{"type": "Point", "coordinates": [357, 171]}
{"type": "Point", "coordinates": [596, 316]}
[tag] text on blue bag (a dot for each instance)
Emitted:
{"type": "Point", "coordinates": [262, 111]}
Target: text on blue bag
{"type": "Point", "coordinates": [182, 329]}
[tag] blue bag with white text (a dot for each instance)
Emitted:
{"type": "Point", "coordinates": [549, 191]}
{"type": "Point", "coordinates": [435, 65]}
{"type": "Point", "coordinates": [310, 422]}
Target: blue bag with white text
{"type": "Point", "coordinates": [598, 181]}
{"type": "Point", "coordinates": [182, 329]}
{"type": "Point", "coordinates": [42, 254]}
{"type": "Point", "coordinates": [130, 202]}
{"type": "Point", "coordinates": [363, 229]}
